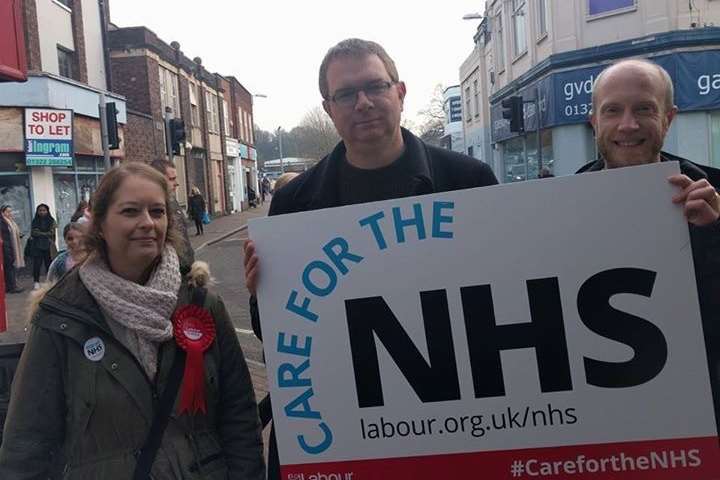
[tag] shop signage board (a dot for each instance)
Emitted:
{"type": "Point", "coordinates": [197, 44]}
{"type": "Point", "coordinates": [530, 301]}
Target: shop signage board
{"type": "Point", "coordinates": [548, 329]}
{"type": "Point", "coordinates": [48, 137]}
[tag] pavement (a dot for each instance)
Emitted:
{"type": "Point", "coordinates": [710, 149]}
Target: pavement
{"type": "Point", "coordinates": [221, 228]}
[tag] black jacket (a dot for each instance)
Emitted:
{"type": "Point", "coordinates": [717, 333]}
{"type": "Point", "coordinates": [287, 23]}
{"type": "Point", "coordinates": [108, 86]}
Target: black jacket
{"type": "Point", "coordinates": [433, 170]}
{"type": "Point", "coordinates": [706, 257]}
{"type": "Point", "coordinates": [196, 207]}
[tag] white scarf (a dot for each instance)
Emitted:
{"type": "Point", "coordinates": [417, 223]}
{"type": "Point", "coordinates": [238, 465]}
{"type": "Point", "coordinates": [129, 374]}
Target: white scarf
{"type": "Point", "coordinates": [138, 315]}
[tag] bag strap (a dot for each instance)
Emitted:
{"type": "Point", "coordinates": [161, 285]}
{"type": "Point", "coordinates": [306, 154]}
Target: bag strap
{"type": "Point", "coordinates": [146, 455]}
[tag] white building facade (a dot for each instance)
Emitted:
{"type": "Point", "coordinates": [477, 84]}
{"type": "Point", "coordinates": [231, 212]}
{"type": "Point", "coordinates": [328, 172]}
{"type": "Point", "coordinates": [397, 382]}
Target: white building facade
{"type": "Point", "coordinates": [454, 138]}
{"type": "Point", "coordinates": [549, 53]}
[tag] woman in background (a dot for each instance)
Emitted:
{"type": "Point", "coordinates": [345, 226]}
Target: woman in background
{"type": "Point", "coordinates": [73, 234]}
{"type": "Point", "coordinates": [12, 253]}
{"type": "Point", "coordinates": [42, 241]}
{"type": "Point", "coordinates": [196, 209]}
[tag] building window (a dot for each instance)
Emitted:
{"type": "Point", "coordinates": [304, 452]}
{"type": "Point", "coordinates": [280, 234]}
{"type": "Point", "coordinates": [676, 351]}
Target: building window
{"type": "Point", "coordinates": [169, 91]}
{"type": "Point", "coordinates": [226, 119]}
{"type": "Point", "coordinates": [609, 7]}
{"type": "Point", "coordinates": [468, 110]}
{"type": "Point", "coordinates": [211, 110]}
{"type": "Point", "coordinates": [194, 109]}
{"type": "Point", "coordinates": [542, 18]}
{"type": "Point", "coordinates": [65, 3]}
{"type": "Point", "coordinates": [500, 48]}
{"type": "Point", "coordinates": [476, 98]}
{"type": "Point", "coordinates": [66, 62]}
{"type": "Point", "coordinates": [519, 27]}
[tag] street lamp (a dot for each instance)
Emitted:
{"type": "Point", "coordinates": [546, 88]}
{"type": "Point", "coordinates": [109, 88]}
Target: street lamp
{"type": "Point", "coordinates": [279, 135]}
{"type": "Point", "coordinates": [472, 16]}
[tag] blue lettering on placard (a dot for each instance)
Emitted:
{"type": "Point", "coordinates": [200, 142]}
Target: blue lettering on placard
{"type": "Point", "coordinates": [439, 218]}
{"type": "Point", "coordinates": [320, 278]}
{"type": "Point", "coordinates": [372, 221]}
{"type": "Point", "coordinates": [401, 223]}
{"type": "Point", "coordinates": [322, 446]}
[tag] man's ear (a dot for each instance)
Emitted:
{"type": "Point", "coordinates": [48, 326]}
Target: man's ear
{"type": "Point", "coordinates": [326, 107]}
{"type": "Point", "coordinates": [670, 116]}
{"type": "Point", "coordinates": [402, 91]}
{"type": "Point", "coordinates": [593, 121]}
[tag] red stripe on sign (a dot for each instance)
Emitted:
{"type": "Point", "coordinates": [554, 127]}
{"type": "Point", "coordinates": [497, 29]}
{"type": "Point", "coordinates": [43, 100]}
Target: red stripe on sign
{"type": "Point", "coordinates": [684, 459]}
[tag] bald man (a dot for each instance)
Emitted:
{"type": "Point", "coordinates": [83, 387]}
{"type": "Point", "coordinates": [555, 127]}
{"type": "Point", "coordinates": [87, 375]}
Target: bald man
{"type": "Point", "coordinates": [632, 109]}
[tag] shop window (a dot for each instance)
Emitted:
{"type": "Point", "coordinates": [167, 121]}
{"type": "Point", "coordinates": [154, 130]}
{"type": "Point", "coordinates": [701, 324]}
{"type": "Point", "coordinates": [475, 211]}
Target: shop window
{"type": "Point", "coordinates": [15, 191]}
{"type": "Point", "coordinates": [715, 139]}
{"type": "Point", "coordinates": [514, 160]}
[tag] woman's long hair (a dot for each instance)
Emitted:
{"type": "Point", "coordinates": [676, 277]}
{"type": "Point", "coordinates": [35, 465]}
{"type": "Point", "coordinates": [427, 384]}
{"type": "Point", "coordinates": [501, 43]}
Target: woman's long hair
{"type": "Point", "coordinates": [43, 222]}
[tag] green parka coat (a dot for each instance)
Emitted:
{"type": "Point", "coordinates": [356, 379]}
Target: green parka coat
{"type": "Point", "coordinates": [73, 418]}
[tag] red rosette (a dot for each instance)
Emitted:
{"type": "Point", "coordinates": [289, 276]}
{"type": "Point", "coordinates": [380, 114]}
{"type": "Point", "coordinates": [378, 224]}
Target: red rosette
{"type": "Point", "coordinates": [194, 331]}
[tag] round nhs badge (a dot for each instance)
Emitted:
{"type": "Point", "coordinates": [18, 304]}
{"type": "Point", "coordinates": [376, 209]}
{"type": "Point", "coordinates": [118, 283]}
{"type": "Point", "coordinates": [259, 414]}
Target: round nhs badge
{"type": "Point", "coordinates": [94, 349]}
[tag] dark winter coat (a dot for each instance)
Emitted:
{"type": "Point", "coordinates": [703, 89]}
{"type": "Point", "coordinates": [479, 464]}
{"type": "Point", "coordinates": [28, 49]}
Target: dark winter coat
{"type": "Point", "coordinates": [185, 252]}
{"type": "Point", "coordinates": [42, 235]}
{"type": "Point", "coordinates": [196, 207]}
{"type": "Point", "coordinates": [76, 419]}
{"type": "Point", "coordinates": [7, 243]}
{"type": "Point", "coordinates": [705, 243]}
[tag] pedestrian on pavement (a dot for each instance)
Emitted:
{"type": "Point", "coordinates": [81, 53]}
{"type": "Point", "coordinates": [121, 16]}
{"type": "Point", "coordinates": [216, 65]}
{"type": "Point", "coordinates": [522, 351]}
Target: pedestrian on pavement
{"type": "Point", "coordinates": [74, 236]}
{"type": "Point", "coordinates": [103, 360]}
{"type": "Point", "coordinates": [41, 244]}
{"type": "Point", "coordinates": [284, 179]}
{"type": "Point", "coordinates": [12, 253]}
{"type": "Point", "coordinates": [187, 254]}
{"type": "Point", "coordinates": [376, 160]}
{"type": "Point", "coordinates": [252, 198]}
{"type": "Point", "coordinates": [265, 188]}
{"type": "Point", "coordinates": [632, 109]}
{"type": "Point", "coordinates": [196, 209]}
{"type": "Point", "coordinates": [81, 211]}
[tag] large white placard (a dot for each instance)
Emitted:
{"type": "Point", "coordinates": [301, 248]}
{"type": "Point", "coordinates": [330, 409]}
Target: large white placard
{"type": "Point", "coordinates": [409, 336]}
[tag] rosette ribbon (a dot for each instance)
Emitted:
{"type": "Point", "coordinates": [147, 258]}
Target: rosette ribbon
{"type": "Point", "coordinates": [194, 331]}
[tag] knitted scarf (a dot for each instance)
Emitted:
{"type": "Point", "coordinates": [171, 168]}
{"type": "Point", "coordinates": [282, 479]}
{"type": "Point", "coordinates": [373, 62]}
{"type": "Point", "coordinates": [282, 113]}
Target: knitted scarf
{"type": "Point", "coordinates": [138, 315]}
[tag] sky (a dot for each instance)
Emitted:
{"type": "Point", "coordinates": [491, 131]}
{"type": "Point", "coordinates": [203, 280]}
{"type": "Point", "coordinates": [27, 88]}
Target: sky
{"type": "Point", "coordinates": [274, 47]}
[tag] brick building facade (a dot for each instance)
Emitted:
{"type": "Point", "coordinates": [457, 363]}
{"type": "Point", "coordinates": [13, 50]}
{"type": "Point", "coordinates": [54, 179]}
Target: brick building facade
{"type": "Point", "coordinates": [157, 77]}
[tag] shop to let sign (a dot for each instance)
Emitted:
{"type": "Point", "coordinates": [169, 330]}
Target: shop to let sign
{"type": "Point", "coordinates": [548, 329]}
{"type": "Point", "coordinates": [48, 137]}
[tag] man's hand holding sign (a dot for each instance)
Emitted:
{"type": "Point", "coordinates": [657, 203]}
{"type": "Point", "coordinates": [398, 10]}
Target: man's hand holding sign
{"type": "Point", "coordinates": [425, 338]}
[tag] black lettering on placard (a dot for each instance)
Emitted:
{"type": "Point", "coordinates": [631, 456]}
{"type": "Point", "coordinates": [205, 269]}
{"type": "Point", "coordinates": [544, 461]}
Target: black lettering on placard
{"type": "Point", "coordinates": [433, 381]}
{"type": "Point", "coordinates": [645, 338]}
{"type": "Point", "coordinates": [545, 333]}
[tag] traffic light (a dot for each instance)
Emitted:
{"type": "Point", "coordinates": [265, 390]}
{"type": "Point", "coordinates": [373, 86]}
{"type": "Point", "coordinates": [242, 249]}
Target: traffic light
{"type": "Point", "coordinates": [513, 111]}
{"type": "Point", "coordinates": [112, 126]}
{"type": "Point", "coordinates": [176, 128]}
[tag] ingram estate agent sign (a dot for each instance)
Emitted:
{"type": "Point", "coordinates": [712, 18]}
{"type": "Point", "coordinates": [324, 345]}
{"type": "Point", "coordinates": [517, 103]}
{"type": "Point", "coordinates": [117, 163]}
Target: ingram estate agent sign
{"type": "Point", "coordinates": [48, 137]}
{"type": "Point", "coordinates": [421, 338]}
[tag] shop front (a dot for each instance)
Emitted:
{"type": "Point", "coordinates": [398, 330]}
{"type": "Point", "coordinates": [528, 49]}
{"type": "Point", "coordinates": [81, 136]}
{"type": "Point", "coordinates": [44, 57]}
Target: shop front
{"type": "Point", "coordinates": [559, 105]}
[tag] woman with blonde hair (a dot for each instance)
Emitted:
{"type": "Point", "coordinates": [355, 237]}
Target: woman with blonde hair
{"type": "Point", "coordinates": [196, 209]}
{"type": "Point", "coordinates": [129, 370]}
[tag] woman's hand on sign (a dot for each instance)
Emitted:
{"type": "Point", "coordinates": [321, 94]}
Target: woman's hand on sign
{"type": "Point", "coordinates": [701, 203]}
{"type": "Point", "coordinates": [252, 269]}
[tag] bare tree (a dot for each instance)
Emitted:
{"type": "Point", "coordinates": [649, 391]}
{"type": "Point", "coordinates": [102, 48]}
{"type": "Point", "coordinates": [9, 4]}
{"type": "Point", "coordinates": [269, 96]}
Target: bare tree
{"type": "Point", "coordinates": [316, 136]}
{"type": "Point", "coordinates": [432, 128]}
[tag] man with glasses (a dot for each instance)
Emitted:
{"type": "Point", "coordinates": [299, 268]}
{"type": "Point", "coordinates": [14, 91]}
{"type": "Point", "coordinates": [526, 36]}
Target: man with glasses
{"type": "Point", "coordinates": [376, 159]}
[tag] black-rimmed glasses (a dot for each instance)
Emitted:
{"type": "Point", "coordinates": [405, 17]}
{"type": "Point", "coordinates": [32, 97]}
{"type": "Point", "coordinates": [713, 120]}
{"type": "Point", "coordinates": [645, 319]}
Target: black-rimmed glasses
{"type": "Point", "coordinates": [347, 97]}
